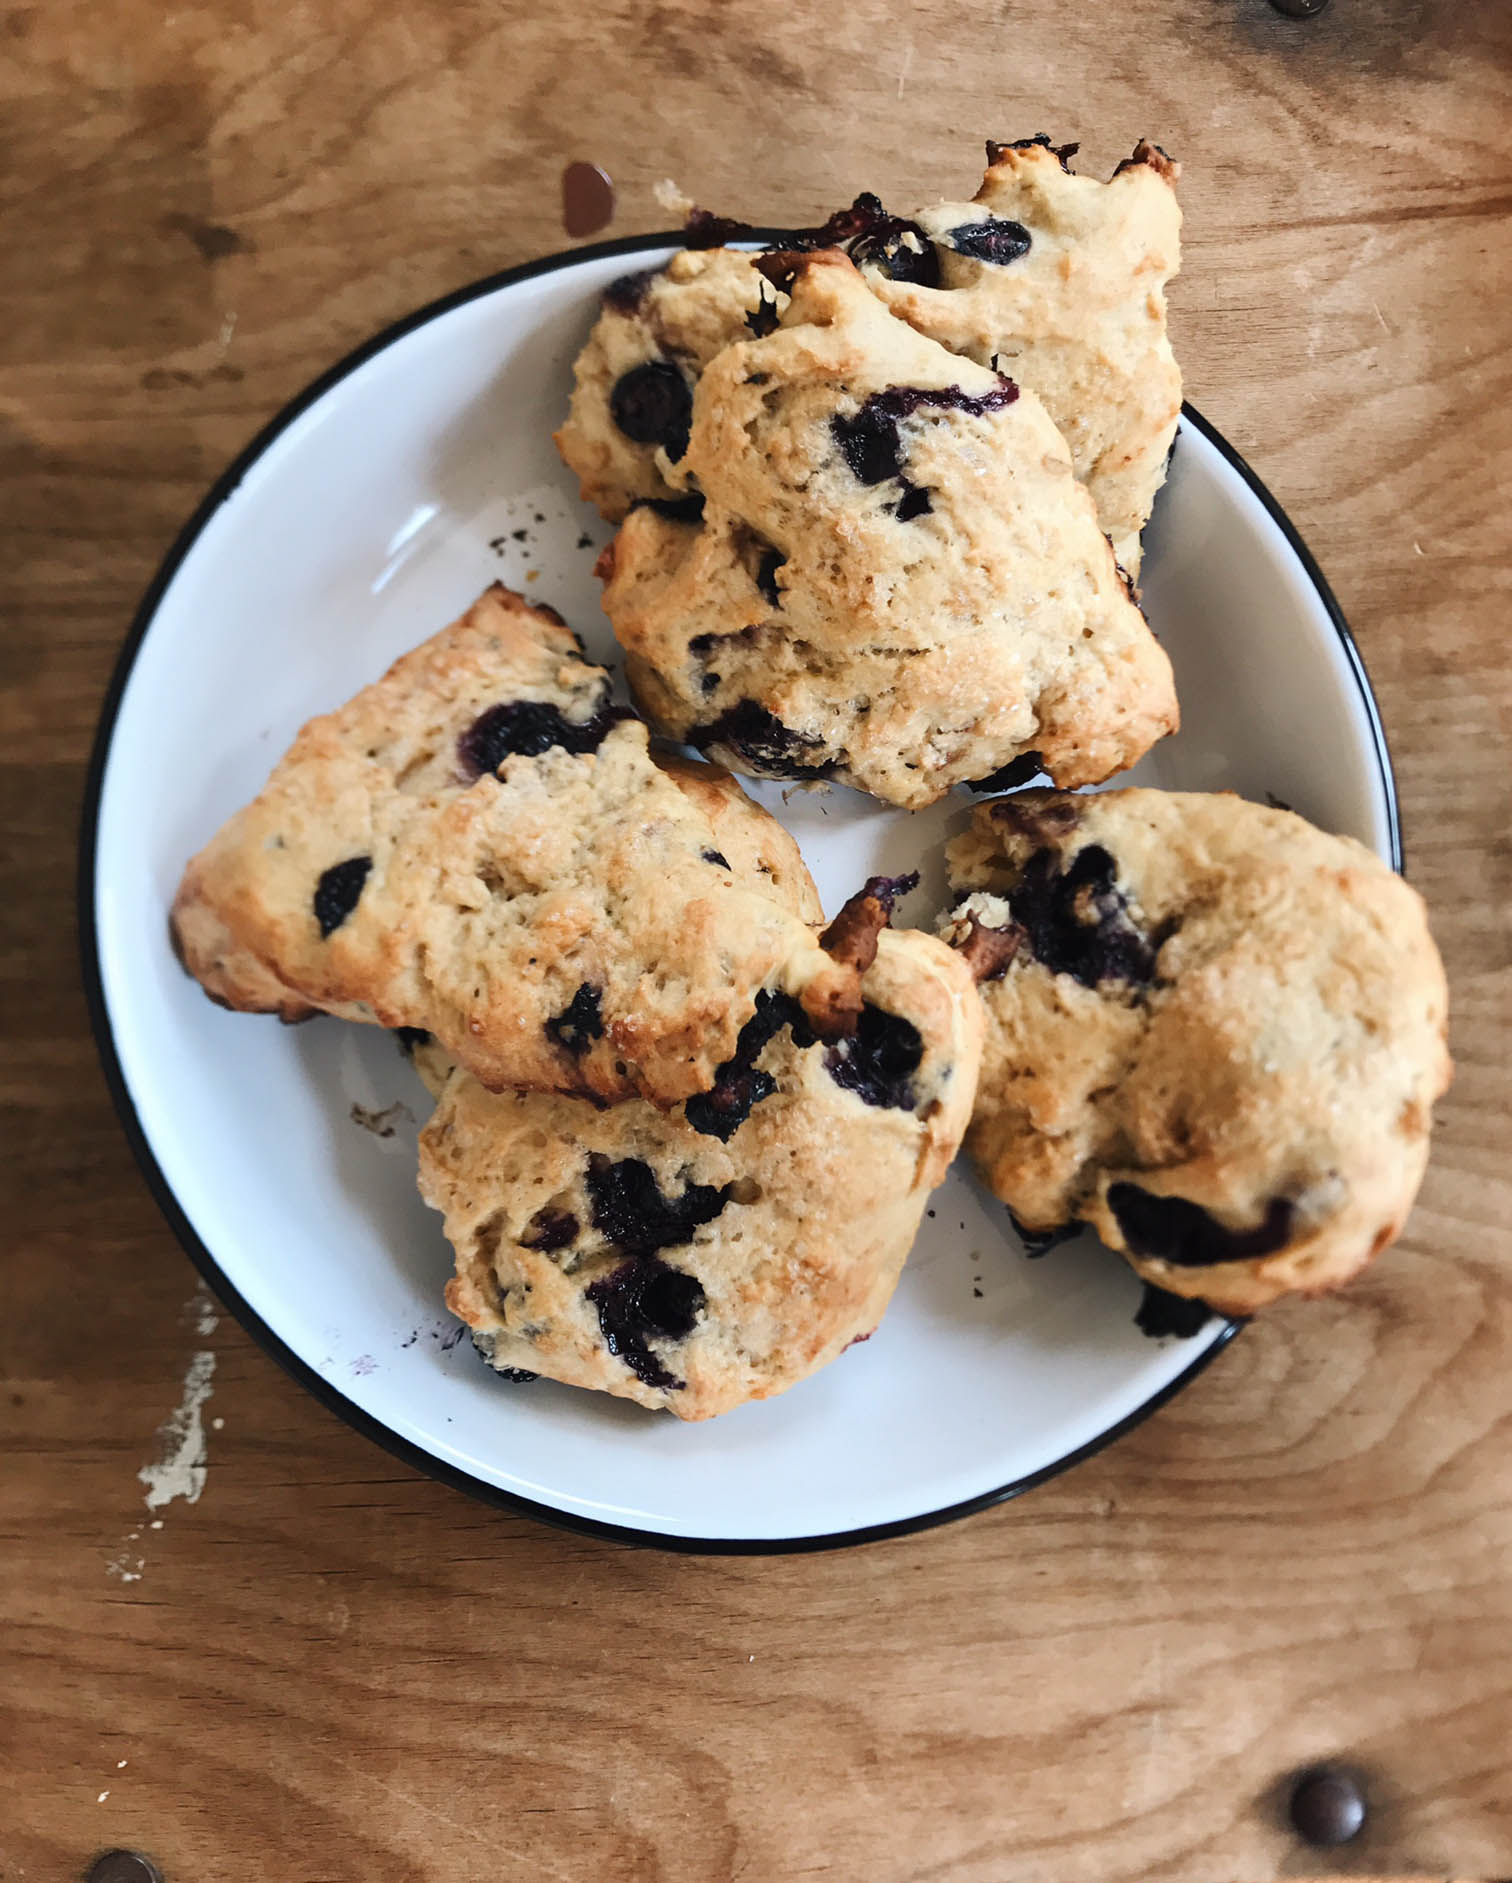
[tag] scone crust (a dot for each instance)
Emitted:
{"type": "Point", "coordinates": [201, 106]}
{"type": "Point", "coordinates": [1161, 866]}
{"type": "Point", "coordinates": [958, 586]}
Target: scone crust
{"type": "Point", "coordinates": [903, 653]}
{"type": "Point", "coordinates": [813, 1202]}
{"type": "Point", "coordinates": [1080, 318]}
{"type": "Point", "coordinates": [681, 315]}
{"type": "Point", "coordinates": [1273, 1057]}
{"type": "Point", "coordinates": [489, 903]}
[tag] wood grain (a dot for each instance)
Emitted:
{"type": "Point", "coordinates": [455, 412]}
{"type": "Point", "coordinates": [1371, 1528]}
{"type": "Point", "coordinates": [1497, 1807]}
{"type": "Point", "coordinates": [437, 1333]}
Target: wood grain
{"type": "Point", "coordinates": [329, 1669]}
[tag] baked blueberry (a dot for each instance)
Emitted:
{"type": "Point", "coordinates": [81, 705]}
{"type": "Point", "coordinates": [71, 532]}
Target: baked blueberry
{"type": "Point", "coordinates": [528, 728]}
{"type": "Point", "coordinates": [580, 1022]}
{"type": "Point", "coordinates": [642, 1300]}
{"type": "Point", "coordinates": [688, 509]}
{"type": "Point", "coordinates": [653, 405]}
{"type": "Point", "coordinates": [762, 742]}
{"type": "Point", "coordinates": [337, 891]}
{"type": "Point", "coordinates": [549, 1230]}
{"type": "Point", "coordinates": [1076, 920]}
{"type": "Point", "coordinates": [739, 1084]}
{"type": "Point", "coordinates": [630, 1210]}
{"type": "Point", "coordinates": [879, 1059]}
{"type": "Point", "coordinates": [998, 240]}
{"type": "Point", "coordinates": [1184, 1233]}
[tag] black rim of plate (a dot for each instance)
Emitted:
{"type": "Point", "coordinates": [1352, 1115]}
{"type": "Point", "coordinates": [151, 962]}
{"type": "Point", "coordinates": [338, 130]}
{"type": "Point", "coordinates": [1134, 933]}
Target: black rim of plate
{"type": "Point", "coordinates": [203, 1259]}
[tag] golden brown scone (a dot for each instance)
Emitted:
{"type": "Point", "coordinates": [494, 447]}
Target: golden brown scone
{"type": "Point", "coordinates": [698, 1258]}
{"type": "Point", "coordinates": [1218, 1040]}
{"type": "Point", "coordinates": [480, 845]}
{"type": "Point", "coordinates": [1060, 281]}
{"type": "Point", "coordinates": [758, 851]}
{"type": "Point", "coordinates": [896, 580]}
{"type": "Point", "coordinates": [632, 394]}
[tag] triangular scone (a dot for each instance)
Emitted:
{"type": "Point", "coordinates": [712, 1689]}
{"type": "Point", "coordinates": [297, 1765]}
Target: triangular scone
{"type": "Point", "coordinates": [896, 580]}
{"type": "Point", "coordinates": [1213, 1032]}
{"type": "Point", "coordinates": [480, 845]}
{"type": "Point", "coordinates": [1060, 280]}
{"type": "Point", "coordinates": [632, 396]}
{"type": "Point", "coordinates": [698, 1258]}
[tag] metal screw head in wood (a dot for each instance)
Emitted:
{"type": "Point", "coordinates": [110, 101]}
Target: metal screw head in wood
{"type": "Point", "coordinates": [123, 1866]}
{"type": "Point", "coordinates": [1327, 1806]}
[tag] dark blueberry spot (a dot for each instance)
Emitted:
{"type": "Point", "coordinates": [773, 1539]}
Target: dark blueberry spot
{"type": "Point", "coordinates": [642, 1300]}
{"type": "Point", "coordinates": [913, 503]}
{"type": "Point", "coordinates": [763, 742]}
{"type": "Point", "coordinates": [724, 1108]}
{"type": "Point", "coordinates": [867, 233]}
{"type": "Point", "coordinates": [1161, 1314]}
{"type": "Point", "coordinates": [766, 576]}
{"type": "Point", "coordinates": [1018, 771]}
{"type": "Point", "coordinates": [409, 1037]}
{"type": "Point", "coordinates": [549, 1230]}
{"type": "Point", "coordinates": [579, 1022]}
{"type": "Point", "coordinates": [1038, 1242]}
{"type": "Point", "coordinates": [630, 1211]}
{"type": "Point", "coordinates": [585, 541]}
{"type": "Point", "coordinates": [997, 240]}
{"type": "Point", "coordinates": [869, 441]}
{"type": "Point", "coordinates": [872, 238]}
{"type": "Point", "coordinates": [1183, 1233]}
{"type": "Point", "coordinates": [337, 891]}
{"type": "Point", "coordinates": [762, 318]}
{"type": "Point", "coordinates": [626, 294]}
{"type": "Point", "coordinates": [1077, 920]}
{"type": "Point", "coordinates": [717, 857]}
{"type": "Point", "coordinates": [878, 1061]}
{"type": "Point", "coordinates": [520, 536]}
{"type": "Point", "coordinates": [516, 1375]}
{"type": "Point", "coordinates": [1064, 152]}
{"type": "Point", "coordinates": [653, 405]}
{"type": "Point", "coordinates": [1327, 1806]}
{"type": "Point", "coordinates": [1041, 817]}
{"type": "Point", "coordinates": [703, 229]}
{"type": "Point", "coordinates": [645, 1298]}
{"type": "Point", "coordinates": [527, 728]}
{"type": "Point", "coordinates": [687, 509]}
{"type": "Point", "coordinates": [1277, 804]}
{"type": "Point", "coordinates": [739, 1083]}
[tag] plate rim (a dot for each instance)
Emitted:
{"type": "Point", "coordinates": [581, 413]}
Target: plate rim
{"type": "Point", "coordinates": [326, 1391]}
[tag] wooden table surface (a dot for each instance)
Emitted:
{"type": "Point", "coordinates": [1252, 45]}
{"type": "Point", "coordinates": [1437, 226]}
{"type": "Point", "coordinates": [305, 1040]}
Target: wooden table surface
{"type": "Point", "coordinates": [328, 1667]}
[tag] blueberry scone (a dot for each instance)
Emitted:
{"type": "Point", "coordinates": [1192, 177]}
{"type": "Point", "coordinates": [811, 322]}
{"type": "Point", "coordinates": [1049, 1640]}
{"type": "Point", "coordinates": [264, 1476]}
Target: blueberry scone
{"type": "Point", "coordinates": [632, 400]}
{"type": "Point", "coordinates": [697, 1258]}
{"type": "Point", "coordinates": [482, 846]}
{"type": "Point", "coordinates": [1059, 280]}
{"type": "Point", "coordinates": [895, 580]}
{"type": "Point", "coordinates": [1213, 1032]}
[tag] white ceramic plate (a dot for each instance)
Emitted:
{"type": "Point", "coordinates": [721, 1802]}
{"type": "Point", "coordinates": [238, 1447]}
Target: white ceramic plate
{"type": "Point", "coordinates": [364, 518]}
